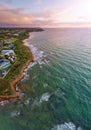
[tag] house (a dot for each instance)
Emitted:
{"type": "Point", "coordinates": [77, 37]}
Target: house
{"type": "Point", "coordinates": [7, 41]}
{"type": "Point", "coordinates": [12, 46]}
{"type": "Point", "coordinates": [12, 58]}
{"type": "Point", "coordinates": [2, 73]}
{"type": "Point", "coordinates": [4, 64]}
{"type": "Point", "coordinates": [8, 53]}
{"type": "Point", "coordinates": [16, 34]}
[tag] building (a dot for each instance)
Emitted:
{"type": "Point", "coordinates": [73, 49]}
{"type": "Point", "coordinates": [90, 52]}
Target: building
{"type": "Point", "coordinates": [4, 64]}
{"type": "Point", "coordinates": [7, 41]}
{"type": "Point", "coordinates": [8, 53]}
{"type": "Point", "coordinates": [2, 73]}
{"type": "Point", "coordinates": [12, 46]}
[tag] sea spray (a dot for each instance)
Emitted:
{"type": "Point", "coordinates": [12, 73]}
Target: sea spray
{"type": "Point", "coordinates": [66, 126]}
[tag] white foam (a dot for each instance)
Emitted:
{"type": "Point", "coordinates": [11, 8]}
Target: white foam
{"type": "Point", "coordinates": [79, 128]}
{"type": "Point", "coordinates": [2, 103]}
{"type": "Point", "coordinates": [51, 53]}
{"type": "Point", "coordinates": [32, 64]}
{"type": "Point", "coordinates": [39, 57]}
{"type": "Point", "coordinates": [66, 126]}
{"type": "Point", "coordinates": [46, 61]}
{"type": "Point", "coordinates": [45, 97]}
{"type": "Point", "coordinates": [40, 66]}
{"type": "Point", "coordinates": [64, 79]}
{"type": "Point", "coordinates": [15, 113]}
{"type": "Point", "coordinates": [17, 88]}
{"type": "Point", "coordinates": [27, 102]}
{"type": "Point", "coordinates": [45, 85]}
{"type": "Point", "coordinates": [21, 95]}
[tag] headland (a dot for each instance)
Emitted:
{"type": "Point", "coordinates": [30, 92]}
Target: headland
{"type": "Point", "coordinates": [19, 61]}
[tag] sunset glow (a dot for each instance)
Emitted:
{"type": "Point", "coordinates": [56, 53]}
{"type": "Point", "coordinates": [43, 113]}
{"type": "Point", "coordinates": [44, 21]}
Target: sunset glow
{"type": "Point", "coordinates": [45, 13]}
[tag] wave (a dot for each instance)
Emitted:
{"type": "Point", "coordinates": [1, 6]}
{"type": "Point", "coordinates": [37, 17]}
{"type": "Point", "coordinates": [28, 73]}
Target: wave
{"type": "Point", "coordinates": [66, 126]}
{"type": "Point", "coordinates": [39, 57]}
{"type": "Point", "coordinates": [27, 102]}
{"type": "Point", "coordinates": [2, 103]}
{"type": "Point", "coordinates": [45, 97]}
{"type": "Point", "coordinates": [15, 113]}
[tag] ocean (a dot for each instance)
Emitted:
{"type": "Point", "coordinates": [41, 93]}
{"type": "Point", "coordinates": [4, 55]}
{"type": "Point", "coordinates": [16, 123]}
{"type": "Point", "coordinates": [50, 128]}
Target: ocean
{"type": "Point", "coordinates": [56, 89]}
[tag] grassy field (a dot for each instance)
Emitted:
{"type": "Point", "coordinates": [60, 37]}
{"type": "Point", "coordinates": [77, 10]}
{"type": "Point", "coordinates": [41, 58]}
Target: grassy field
{"type": "Point", "coordinates": [23, 55]}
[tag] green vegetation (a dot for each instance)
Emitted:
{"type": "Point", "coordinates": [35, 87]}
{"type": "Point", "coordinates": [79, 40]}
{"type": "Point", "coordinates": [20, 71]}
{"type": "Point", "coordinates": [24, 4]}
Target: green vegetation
{"type": "Point", "coordinates": [4, 87]}
{"type": "Point", "coordinates": [23, 55]}
{"type": "Point", "coordinates": [13, 40]}
{"type": "Point", "coordinates": [22, 52]}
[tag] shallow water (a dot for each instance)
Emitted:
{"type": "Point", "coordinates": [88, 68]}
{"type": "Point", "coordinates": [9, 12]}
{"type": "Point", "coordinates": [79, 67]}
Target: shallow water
{"type": "Point", "coordinates": [58, 96]}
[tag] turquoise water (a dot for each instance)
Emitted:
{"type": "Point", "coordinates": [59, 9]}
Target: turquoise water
{"type": "Point", "coordinates": [58, 92]}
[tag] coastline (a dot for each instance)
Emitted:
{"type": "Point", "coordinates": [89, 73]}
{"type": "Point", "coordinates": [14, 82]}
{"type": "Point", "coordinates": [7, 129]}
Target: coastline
{"type": "Point", "coordinates": [13, 83]}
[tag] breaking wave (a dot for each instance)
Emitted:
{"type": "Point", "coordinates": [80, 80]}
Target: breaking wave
{"type": "Point", "coordinates": [39, 57]}
{"type": "Point", "coordinates": [45, 97]}
{"type": "Point", "coordinates": [15, 113]}
{"type": "Point", "coordinates": [66, 126]}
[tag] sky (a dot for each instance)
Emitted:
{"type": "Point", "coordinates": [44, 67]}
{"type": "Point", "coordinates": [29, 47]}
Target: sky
{"type": "Point", "coordinates": [45, 13]}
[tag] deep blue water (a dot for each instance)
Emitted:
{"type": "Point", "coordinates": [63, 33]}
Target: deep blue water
{"type": "Point", "coordinates": [57, 88]}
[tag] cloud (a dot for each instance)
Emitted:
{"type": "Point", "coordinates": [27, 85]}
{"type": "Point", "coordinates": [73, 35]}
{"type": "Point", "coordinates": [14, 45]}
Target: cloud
{"type": "Point", "coordinates": [38, 2]}
{"type": "Point", "coordinates": [14, 16]}
{"type": "Point", "coordinates": [18, 16]}
{"type": "Point", "coordinates": [6, 1]}
{"type": "Point", "coordinates": [11, 16]}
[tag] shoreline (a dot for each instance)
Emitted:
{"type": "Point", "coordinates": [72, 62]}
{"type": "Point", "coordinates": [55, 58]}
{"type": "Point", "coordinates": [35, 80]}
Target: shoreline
{"type": "Point", "coordinates": [13, 83]}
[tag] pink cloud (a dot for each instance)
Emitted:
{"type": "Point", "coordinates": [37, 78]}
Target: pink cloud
{"type": "Point", "coordinates": [19, 17]}
{"type": "Point", "coordinates": [10, 15]}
